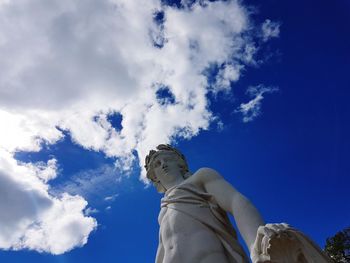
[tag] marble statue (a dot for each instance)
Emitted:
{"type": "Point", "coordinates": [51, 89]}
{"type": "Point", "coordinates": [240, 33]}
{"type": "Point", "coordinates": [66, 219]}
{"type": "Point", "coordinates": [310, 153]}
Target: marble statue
{"type": "Point", "coordinates": [194, 226]}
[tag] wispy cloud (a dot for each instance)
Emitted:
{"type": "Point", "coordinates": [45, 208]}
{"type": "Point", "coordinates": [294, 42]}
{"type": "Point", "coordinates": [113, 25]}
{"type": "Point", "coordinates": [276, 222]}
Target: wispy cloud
{"type": "Point", "coordinates": [270, 29]}
{"type": "Point", "coordinates": [111, 197]}
{"type": "Point", "coordinates": [252, 108]}
{"type": "Point", "coordinates": [95, 185]}
{"type": "Point", "coordinates": [91, 211]}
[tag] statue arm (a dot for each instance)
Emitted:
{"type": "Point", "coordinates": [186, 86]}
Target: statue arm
{"type": "Point", "coordinates": [247, 217]}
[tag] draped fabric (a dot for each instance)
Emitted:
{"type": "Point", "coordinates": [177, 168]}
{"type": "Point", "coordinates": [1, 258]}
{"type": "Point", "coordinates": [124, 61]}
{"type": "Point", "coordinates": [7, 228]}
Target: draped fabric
{"type": "Point", "coordinates": [201, 206]}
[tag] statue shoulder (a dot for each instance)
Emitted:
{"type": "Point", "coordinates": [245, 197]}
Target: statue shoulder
{"type": "Point", "coordinates": [205, 174]}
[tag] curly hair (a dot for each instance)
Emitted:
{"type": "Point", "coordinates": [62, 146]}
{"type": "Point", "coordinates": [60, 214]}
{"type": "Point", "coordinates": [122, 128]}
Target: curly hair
{"type": "Point", "coordinates": [164, 148]}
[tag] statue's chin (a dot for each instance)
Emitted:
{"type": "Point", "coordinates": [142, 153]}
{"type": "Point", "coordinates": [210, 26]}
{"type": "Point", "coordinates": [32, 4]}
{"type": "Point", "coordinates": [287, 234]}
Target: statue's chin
{"type": "Point", "coordinates": [160, 189]}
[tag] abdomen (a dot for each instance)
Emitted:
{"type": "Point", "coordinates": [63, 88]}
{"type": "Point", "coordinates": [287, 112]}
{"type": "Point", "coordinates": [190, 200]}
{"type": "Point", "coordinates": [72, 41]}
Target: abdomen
{"type": "Point", "coordinates": [188, 240]}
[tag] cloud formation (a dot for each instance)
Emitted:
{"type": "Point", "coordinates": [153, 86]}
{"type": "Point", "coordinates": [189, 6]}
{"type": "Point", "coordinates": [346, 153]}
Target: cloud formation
{"type": "Point", "coordinates": [270, 29]}
{"type": "Point", "coordinates": [95, 184]}
{"type": "Point", "coordinates": [31, 218]}
{"type": "Point", "coordinates": [69, 65]}
{"type": "Point", "coordinates": [252, 108]}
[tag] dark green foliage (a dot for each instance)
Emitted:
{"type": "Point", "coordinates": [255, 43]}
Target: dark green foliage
{"type": "Point", "coordinates": [338, 247]}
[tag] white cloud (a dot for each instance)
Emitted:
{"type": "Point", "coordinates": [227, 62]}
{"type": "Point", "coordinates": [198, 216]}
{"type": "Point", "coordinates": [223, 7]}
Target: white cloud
{"type": "Point", "coordinates": [89, 211]}
{"type": "Point", "coordinates": [111, 197]}
{"type": "Point", "coordinates": [252, 108]}
{"type": "Point", "coordinates": [92, 184]}
{"type": "Point", "coordinates": [31, 218]}
{"type": "Point", "coordinates": [227, 75]}
{"type": "Point", "coordinates": [270, 29]}
{"type": "Point", "coordinates": [69, 70]}
{"type": "Point", "coordinates": [44, 171]}
{"type": "Point", "coordinates": [27, 130]}
{"type": "Point", "coordinates": [68, 65]}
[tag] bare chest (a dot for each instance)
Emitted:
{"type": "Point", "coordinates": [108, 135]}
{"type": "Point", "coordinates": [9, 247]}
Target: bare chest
{"type": "Point", "coordinates": [187, 240]}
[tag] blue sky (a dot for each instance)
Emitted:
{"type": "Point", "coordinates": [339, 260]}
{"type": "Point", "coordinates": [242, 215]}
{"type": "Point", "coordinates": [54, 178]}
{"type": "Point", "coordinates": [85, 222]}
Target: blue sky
{"type": "Point", "coordinates": [291, 159]}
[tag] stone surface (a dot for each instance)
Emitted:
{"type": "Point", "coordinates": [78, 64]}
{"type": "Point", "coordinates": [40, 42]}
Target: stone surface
{"type": "Point", "coordinates": [194, 226]}
{"type": "Point", "coordinates": [282, 243]}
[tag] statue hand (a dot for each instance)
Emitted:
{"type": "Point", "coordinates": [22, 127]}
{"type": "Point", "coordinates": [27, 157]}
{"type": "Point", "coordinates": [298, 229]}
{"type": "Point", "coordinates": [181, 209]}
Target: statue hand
{"type": "Point", "coordinates": [282, 243]}
{"type": "Point", "coordinates": [266, 235]}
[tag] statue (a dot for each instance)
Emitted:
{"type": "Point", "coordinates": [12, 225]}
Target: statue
{"type": "Point", "coordinates": [194, 226]}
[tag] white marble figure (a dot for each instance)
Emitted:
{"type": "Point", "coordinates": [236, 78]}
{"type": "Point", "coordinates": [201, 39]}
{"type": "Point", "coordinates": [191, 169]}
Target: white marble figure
{"type": "Point", "coordinates": [194, 227]}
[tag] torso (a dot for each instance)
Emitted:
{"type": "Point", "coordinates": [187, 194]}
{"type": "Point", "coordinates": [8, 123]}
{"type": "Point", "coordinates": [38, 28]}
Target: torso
{"type": "Point", "coordinates": [187, 240]}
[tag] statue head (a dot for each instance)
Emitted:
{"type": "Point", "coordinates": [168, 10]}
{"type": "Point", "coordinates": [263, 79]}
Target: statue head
{"type": "Point", "coordinates": [173, 163]}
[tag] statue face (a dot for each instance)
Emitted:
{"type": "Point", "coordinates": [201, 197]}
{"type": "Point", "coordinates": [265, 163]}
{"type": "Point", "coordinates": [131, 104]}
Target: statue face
{"type": "Point", "coordinates": [167, 169]}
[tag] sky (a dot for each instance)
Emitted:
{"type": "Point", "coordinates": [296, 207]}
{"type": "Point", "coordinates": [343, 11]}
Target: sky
{"type": "Point", "coordinates": [257, 90]}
